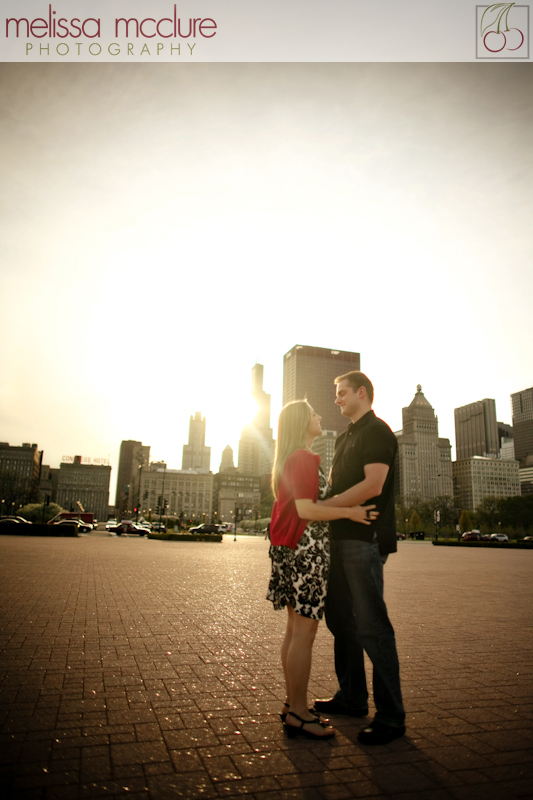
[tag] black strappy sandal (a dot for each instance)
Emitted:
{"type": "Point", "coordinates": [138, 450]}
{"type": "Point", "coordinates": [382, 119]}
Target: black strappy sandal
{"type": "Point", "coordinates": [283, 715]}
{"type": "Point", "coordinates": [293, 730]}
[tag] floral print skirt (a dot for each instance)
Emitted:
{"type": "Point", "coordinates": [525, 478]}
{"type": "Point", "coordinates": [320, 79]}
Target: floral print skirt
{"type": "Point", "coordinates": [300, 577]}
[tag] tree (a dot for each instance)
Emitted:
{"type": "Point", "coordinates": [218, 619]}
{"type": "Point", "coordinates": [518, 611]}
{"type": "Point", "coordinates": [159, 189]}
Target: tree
{"type": "Point", "coordinates": [33, 512]}
{"type": "Point", "coordinates": [516, 512]}
{"type": "Point", "coordinates": [446, 505]}
{"type": "Point", "coordinates": [13, 490]}
{"type": "Point", "coordinates": [415, 521]}
{"type": "Point", "coordinates": [488, 511]}
{"type": "Point", "coordinates": [267, 501]}
{"type": "Point", "coordinates": [402, 513]}
{"type": "Point", "coordinates": [426, 511]}
{"type": "Point", "coordinates": [465, 523]}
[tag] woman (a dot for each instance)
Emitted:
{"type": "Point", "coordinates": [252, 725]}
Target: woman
{"type": "Point", "coordinates": [299, 534]}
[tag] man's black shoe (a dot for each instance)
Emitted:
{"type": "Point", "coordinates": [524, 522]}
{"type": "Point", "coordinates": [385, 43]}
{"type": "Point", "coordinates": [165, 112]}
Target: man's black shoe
{"type": "Point", "coordinates": [332, 706]}
{"type": "Point", "coordinates": [379, 733]}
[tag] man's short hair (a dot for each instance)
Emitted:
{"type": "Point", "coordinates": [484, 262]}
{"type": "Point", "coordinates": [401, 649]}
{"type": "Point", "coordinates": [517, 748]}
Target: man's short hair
{"type": "Point", "coordinates": [357, 379]}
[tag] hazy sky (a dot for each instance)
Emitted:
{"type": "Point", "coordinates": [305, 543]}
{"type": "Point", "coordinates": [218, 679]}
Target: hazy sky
{"type": "Point", "coordinates": [164, 227]}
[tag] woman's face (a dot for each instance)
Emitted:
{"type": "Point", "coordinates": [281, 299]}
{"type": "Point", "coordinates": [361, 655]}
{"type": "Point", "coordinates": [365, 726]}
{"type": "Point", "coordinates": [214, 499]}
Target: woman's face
{"type": "Point", "coordinates": [314, 428]}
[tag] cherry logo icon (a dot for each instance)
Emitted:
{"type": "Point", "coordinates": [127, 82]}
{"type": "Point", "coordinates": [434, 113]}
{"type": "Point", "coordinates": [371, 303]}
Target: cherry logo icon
{"type": "Point", "coordinates": [496, 32]}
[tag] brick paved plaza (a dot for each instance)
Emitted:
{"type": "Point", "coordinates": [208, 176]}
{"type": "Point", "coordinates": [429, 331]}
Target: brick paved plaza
{"type": "Point", "coordinates": [139, 668]}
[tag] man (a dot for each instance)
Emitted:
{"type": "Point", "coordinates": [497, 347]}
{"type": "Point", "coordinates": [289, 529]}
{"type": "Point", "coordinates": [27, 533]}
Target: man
{"type": "Point", "coordinates": [356, 614]}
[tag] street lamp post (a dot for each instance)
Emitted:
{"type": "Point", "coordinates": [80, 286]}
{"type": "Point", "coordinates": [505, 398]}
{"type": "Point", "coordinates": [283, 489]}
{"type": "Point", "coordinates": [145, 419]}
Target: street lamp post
{"type": "Point", "coordinates": [239, 497]}
{"type": "Point", "coordinates": [161, 504]}
{"type": "Point", "coordinates": [140, 470]}
{"type": "Point", "coordinates": [436, 516]}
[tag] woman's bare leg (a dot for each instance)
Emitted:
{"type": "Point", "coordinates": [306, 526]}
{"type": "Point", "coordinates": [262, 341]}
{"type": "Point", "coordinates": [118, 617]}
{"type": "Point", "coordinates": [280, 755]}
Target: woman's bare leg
{"type": "Point", "coordinates": [298, 661]}
{"type": "Point", "coordinates": [298, 669]}
{"type": "Point", "coordinates": [284, 650]}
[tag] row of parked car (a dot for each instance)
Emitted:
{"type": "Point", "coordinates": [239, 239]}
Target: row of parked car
{"type": "Point", "coordinates": [477, 536]}
{"type": "Point", "coordinates": [83, 527]}
{"type": "Point", "coordinates": [142, 528]}
{"type": "Point", "coordinates": [210, 528]}
{"type": "Point", "coordinates": [128, 526]}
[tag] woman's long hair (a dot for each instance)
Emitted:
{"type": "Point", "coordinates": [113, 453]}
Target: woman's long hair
{"type": "Point", "coordinates": [293, 425]}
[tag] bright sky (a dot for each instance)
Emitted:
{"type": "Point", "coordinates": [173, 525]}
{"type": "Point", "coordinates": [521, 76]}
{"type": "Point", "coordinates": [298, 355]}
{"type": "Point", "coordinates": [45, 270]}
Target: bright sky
{"type": "Point", "coordinates": [164, 227]}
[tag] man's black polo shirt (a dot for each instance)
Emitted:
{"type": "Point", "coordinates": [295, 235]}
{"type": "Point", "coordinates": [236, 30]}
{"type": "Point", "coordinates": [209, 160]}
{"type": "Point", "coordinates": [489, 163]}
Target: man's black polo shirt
{"type": "Point", "coordinates": [367, 441]}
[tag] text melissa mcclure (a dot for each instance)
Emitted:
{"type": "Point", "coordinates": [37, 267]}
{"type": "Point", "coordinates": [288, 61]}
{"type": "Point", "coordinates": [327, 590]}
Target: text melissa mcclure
{"type": "Point", "coordinates": [61, 28]}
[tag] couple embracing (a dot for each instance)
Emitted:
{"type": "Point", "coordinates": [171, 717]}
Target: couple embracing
{"type": "Point", "coordinates": [329, 542]}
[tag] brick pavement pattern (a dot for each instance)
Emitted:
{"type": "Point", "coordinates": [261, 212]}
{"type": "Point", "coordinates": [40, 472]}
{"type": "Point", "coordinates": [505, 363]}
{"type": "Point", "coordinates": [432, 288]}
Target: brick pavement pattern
{"type": "Point", "coordinates": [147, 669]}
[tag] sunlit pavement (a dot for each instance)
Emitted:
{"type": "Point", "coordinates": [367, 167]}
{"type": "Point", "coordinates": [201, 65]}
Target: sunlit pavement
{"type": "Point", "coordinates": [139, 668]}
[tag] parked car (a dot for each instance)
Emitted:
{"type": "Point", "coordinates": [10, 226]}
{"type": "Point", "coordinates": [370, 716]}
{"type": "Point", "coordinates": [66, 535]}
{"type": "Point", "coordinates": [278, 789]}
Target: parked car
{"type": "Point", "coordinates": [499, 537]}
{"type": "Point", "coordinates": [159, 526]}
{"type": "Point", "coordinates": [222, 527]}
{"type": "Point", "coordinates": [15, 520]}
{"type": "Point", "coordinates": [528, 538]}
{"type": "Point", "coordinates": [83, 527]}
{"type": "Point", "coordinates": [127, 526]}
{"type": "Point", "coordinates": [87, 517]}
{"type": "Point", "coordinates": [472, 536]}
{"type": "Point", "coordinates": [111, 523]}
{"type": "Point", "coordinates": [205, 528]}
{"type": "Point", "coordinates": [143, 526]}
{"type": "Point", "coordinates": [400, 536]}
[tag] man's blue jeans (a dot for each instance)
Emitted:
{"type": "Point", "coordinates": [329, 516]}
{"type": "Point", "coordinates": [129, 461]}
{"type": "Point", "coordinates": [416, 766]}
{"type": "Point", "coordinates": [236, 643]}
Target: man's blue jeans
{"type": "Point", "coordinates": [357, 617]}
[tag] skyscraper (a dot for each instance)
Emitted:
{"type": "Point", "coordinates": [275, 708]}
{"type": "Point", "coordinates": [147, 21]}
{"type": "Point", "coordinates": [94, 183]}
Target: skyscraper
{"type": "Point", "coordinates": [505, 438]}
{"type": "Point", "coordinates": [476, 430]}
{"type": "Point", "coordinates": [256, 445]}
{"type": "Point", "coordinates": [132, 456]}
{"type": "Point", "coordinates": [324, 446]}
{"type": "Point", "coordinates": [226, 462]}
{"type": "Point", "coordinates": [423, 467]}
{"type": "Point", "coordinates": [85, 485]}
{"type": "Point", "coordinates": [195, 454]}
{"type": "Point", "coordinates": [20, 468]}
{"type": "Point", "coordinates": [309, 372]}
{"type": "Point", "coordinates": [522, 409]}
{"type": "Point", "coordinates": [476, 477]}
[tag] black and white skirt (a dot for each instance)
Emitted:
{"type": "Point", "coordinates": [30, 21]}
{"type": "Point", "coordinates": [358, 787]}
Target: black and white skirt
{"type": "Point", "coordinates": [300, 577]}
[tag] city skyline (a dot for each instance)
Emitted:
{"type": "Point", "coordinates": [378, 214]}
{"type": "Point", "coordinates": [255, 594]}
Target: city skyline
{"type": "Point", "coordinates": [202, 219]}
{"type": "Point", "coordinates": [197, 417]}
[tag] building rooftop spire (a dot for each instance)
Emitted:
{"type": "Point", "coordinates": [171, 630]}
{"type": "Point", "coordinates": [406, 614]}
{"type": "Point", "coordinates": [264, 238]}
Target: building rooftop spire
{"type": "Point", "coordinates": [419, 399]}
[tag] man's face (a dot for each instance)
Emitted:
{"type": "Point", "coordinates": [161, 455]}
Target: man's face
{"type": "Point", "coordinates": [349, 399]}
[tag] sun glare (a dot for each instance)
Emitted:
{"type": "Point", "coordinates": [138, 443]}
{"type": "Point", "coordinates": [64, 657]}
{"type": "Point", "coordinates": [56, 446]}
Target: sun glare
{"type": "Point", "coordinates": [229, 414]}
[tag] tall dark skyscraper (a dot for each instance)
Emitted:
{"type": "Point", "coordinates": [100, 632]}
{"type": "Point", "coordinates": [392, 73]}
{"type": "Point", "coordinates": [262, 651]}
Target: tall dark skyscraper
{"type": "Point", "coordinates": [423, 462]}
{"type": "Point", "coordinates": [262, 399]}
{"type": "Point", "coordinates": [133, 455]}
{"type": "Point", "coordinates": [522, 408]}
{"type": "Point", "coordinates": [256, 446]}
{"type": "Point", "coordinates": [309, 372]}
{"type": "Point", "coordinates": [195, 454]}
{"type": "Point", "coordinates": [476, 430]}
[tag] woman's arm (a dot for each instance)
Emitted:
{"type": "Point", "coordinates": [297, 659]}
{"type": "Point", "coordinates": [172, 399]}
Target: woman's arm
{"type": "Point", "coordinates": [307, 509]}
